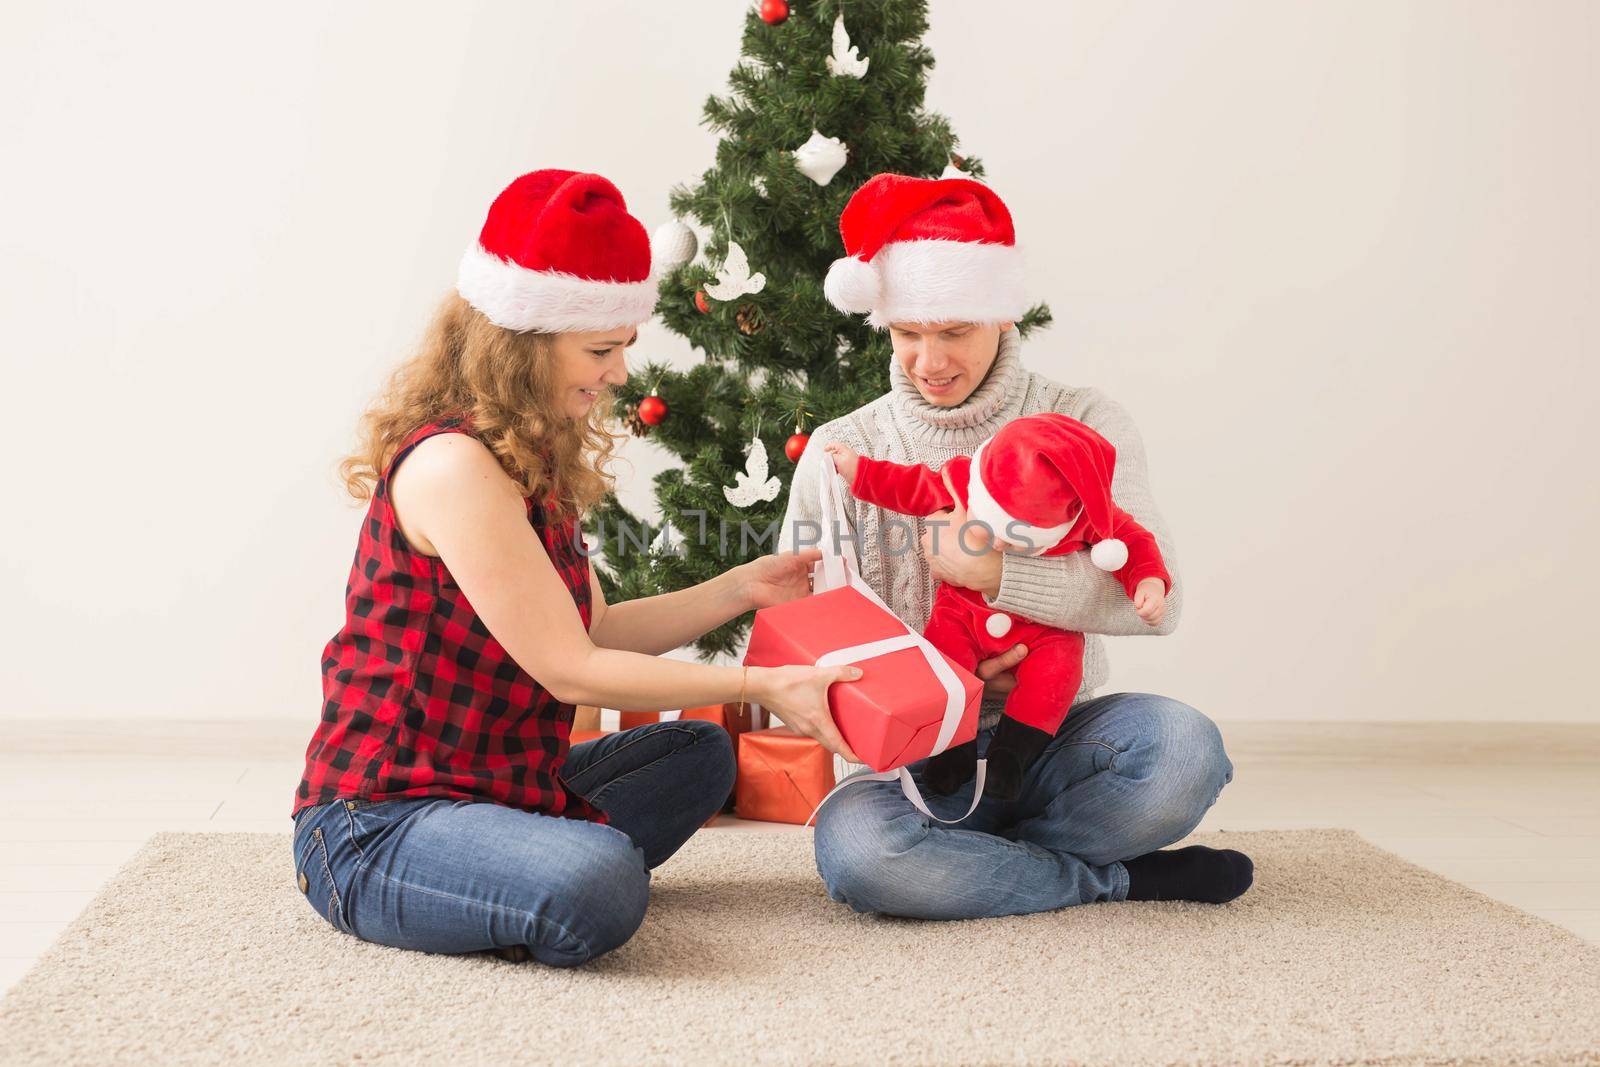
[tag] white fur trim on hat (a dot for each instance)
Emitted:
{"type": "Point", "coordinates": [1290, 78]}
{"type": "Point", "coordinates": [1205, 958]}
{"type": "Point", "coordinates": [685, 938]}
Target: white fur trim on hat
{"type": "Point", "coordinates": [982, 506]}
{"type": "Point", "coordinates": [948, 281]}
{"type": "Point", "coordinates": [516, 298]}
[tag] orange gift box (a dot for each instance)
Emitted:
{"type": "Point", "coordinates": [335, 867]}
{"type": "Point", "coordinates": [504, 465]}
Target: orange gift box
{"type": "Point", "coordinates": [892, 714]}
{"type": "Point", "coordinates": [783, 776]}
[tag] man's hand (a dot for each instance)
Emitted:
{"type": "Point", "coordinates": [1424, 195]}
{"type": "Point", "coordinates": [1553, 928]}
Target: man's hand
{"type": "Point", "coordinates": [1150, 600]}
{"type": "Point", "coordinates": [998, 674]}
{"type": "Point", "coordinates": [975, 566]}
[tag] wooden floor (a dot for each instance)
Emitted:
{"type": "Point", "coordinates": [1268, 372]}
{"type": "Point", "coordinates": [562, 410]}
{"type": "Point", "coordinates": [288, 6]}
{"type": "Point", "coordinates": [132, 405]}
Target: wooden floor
{"type": "Point", "coordinates": [1511, 810]}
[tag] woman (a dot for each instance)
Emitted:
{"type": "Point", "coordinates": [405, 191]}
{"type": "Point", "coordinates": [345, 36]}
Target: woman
{"type": "Point", "coordinates": [441, 808]}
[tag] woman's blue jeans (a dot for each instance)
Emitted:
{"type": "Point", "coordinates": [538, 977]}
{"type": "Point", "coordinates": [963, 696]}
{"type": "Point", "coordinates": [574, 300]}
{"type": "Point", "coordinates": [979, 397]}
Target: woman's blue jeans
{"type": "Point", "coordinates": [1126, 774]}
{"type": "Point", "coordinates": [445, 875]}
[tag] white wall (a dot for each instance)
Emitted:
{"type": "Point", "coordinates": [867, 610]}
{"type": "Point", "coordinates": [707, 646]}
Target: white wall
{"type": "Point", "coordinates": [1338, 259]}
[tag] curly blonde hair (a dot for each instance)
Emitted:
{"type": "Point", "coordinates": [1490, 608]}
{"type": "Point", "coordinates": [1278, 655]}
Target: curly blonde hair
{"type": "Point", "coordinates": [505, 382]}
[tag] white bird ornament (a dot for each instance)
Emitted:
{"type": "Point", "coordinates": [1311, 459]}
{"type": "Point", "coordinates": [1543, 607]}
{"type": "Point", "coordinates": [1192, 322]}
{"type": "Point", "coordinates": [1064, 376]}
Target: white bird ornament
{"type": "Point", "coordinates": [734, 278]}
{"type": "Point", "coordinates": [752, 484]}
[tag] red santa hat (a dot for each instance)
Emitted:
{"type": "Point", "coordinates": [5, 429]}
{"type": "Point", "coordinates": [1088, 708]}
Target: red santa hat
{"type": "Point", "coordinates": [1033, 479]}
{"type": "Point", "coordinates": [560, 252]}
{"type": "Point", "coordinates": [927, 250]}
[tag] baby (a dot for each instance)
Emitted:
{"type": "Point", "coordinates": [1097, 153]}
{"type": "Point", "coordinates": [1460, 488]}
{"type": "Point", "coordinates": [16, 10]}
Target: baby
{"type": "Point", "coordinates": [1042, 485]}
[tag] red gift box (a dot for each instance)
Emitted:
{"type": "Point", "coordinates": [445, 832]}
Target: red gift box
{"type": "Point", "coordinates": [892, 714]}
{"type": "Point", "coordinates": [783, 776]}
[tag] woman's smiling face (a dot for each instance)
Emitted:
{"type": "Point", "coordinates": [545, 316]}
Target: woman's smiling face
{"type": "Point", "coordinates": [587, 363]}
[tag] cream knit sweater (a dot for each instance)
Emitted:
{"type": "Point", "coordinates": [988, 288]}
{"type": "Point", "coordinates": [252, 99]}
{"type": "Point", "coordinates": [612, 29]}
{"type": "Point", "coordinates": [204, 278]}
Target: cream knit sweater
{"type": "Point", "coordinates": [1068, 592]}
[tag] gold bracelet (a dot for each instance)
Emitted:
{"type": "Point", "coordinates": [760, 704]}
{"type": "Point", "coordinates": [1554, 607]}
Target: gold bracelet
{"type": "Point", "coordinates": [744, 677]}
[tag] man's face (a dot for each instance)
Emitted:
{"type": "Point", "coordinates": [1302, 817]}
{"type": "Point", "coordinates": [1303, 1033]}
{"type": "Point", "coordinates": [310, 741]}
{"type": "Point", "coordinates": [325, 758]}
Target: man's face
{"type": "Point", "coordinates": [946, 360]}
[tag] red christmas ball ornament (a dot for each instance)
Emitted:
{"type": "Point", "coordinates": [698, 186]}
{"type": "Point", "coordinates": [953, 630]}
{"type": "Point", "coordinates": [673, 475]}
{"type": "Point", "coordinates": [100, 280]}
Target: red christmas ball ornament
{"type": "Point", "coordinates": [652, 410]}
{"type": "Point", "coordinates": [796, 445]}
{"type": "Point", "coordinates": [702, 302]}
{"type": "Point", "coordinates": [774, 11]}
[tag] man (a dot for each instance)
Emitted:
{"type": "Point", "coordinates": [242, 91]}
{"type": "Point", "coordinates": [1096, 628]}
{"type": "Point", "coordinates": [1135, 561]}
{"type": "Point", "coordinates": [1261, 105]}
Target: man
{"type": "Point", "coordinates": [935, 263]}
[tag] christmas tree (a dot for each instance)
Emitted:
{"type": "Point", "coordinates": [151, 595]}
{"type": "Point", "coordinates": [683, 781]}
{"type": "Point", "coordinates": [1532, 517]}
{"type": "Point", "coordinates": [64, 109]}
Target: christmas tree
{"type": "Point", "coordinates": [825, 95]}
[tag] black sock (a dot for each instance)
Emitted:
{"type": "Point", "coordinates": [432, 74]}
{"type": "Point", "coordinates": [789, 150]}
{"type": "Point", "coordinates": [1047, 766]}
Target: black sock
{"type": "Point", "coordinates": [1209, 875]}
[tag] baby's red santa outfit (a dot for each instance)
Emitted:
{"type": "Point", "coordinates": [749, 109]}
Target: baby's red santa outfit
{"type": "Point", "coordinates": [1043, 485]}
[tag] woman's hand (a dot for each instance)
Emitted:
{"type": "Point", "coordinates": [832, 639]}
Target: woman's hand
{"type": "Point", "coordinates": [799, 696]}
{"type": "Point", "coordinates": [845, 460]}
{"type": "Point", "coordinates": [777, 578]}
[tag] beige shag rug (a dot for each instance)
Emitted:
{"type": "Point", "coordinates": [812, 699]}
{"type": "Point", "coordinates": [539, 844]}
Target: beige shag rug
{"type": "Point", "coordinates": [201, 950]}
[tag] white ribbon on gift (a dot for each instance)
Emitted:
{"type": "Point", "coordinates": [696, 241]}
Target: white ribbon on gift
{"type": "Point", "coordinates": [836, 570]}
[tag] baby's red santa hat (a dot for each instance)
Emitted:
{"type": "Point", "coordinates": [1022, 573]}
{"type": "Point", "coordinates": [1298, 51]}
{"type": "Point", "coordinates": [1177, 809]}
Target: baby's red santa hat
{"type": "Point", "coordinates": [927, 250]}
{"type": "Point", "coordinates": [560, 252]}
{"type": "Point", "coordinates": [1032, 480]}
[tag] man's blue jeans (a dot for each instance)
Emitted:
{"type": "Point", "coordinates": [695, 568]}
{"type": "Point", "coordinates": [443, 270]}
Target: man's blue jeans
{"type": "Point", "coordinates": [445, 875]}
{"type": "Point", "coordinates": [1126, 774]}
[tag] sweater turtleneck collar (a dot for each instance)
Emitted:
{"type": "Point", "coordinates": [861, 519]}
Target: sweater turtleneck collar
{"type": "Point", "coordinates": [992, 404]}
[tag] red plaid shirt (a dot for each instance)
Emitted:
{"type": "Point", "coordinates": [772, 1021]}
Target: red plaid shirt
{"type": "Point", "coordinates": [419, 699]}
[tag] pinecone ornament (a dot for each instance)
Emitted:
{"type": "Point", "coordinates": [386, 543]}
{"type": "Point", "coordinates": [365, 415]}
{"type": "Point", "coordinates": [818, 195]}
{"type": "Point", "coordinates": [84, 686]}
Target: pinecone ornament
{"type": "Point", "coordinates": [636, 426]}
{"type": "Point", "coordinates": [749, 319]}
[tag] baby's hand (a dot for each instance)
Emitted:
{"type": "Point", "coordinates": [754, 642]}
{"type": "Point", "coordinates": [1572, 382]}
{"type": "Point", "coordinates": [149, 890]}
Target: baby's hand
{"type": "Point", "coordinates": [844, 460]}
{"type": "Point", "coordinates": [1150, 600]}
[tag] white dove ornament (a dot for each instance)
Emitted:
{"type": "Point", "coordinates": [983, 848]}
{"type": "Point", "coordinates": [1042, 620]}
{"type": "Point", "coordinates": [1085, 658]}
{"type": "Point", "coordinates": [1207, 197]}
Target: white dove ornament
{"type": "Point", "coordinates": [753, 484]}
{"type": "Point", "coordinates": [845, 62]}
{"type": "Point", "coordinates": [734, 278]}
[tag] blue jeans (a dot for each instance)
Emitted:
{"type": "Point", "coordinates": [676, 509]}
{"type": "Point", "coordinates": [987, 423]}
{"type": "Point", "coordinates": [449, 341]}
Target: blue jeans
{"type": "Point", "coordinates": [445, 875]}
{"type": "Point", "coordinates": [1126, 774]}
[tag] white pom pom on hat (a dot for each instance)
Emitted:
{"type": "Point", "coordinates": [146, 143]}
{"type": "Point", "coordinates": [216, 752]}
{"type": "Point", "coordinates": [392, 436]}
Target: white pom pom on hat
{"type": "Point", "coordinates": [1109, 555]}
{"type": "Point", "coordinates": [852, 285]}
